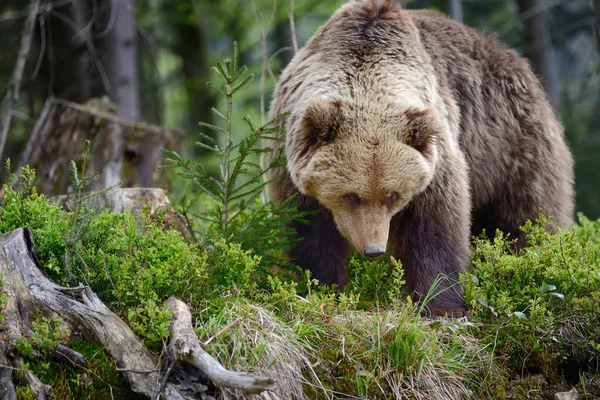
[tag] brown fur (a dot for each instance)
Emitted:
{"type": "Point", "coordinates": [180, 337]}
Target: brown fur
{"type": "Point", "coordinates": [408, 123]}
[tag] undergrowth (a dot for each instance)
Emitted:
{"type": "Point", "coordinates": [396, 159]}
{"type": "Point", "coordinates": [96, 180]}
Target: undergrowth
{"type": "Point", "coordinates": [541, 307]}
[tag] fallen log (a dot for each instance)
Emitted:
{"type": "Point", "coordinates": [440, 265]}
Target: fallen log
{"type": "Point", "coordinates": [28, 290]}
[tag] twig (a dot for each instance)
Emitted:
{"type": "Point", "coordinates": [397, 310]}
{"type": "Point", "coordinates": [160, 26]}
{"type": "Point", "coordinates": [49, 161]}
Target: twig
{"type": "Point", "coordinates": [13, 15]}
{"type": "Point", "coordinates": [265, 67]}
{"type": "Point", "coordinates": [12, 94]}
{"type": "Point", "coordinates": [38, 64]}
{"type": "Point", "coordinates": [33, 139]}
{"type": "Point", "coordinates": [229, 325]}
{"type": "Point", "coordinates": [293, 27]}
{"type": "Point", "coordinates": [90, 46]}
{"type": "Point", "coordinates": [111, 21]}
{"type": "Point", "coordinates": [2, 366]}
{"type": "Point", "coordinates": [135, 371]}
{"type": "Point", "coordinates": [264, 33]}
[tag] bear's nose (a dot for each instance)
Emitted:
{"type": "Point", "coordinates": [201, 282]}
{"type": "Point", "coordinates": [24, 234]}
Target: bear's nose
{"type": "Point", "coordinates": [374, 251]}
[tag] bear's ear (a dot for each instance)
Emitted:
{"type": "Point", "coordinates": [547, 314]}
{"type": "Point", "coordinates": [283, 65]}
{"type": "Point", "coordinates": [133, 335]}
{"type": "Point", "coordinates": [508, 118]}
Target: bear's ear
{"type": "Point", "coordinates": [421, 130]}
{"type": "Point", "coordinates": [322, 119]}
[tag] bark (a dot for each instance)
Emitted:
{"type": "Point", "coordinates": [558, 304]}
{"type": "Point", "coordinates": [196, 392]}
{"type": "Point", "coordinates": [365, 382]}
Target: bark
{"type": "Point", "coordinates": [29, 290]}
{"type": "Point", "coordinates": [456, 10]}
{"type": "Point", "coordinates": [292, 22]}
{"type": "Point", "coordinates": [537, 46]}
{"type": "Point", "coordinates": [12, 95]}
{"type": "Point", "coordinates": [121, 51]}
{"type": "Point", "coordinates": [122, 150]}
{"type": "Point", "coordinates": [7, 387]}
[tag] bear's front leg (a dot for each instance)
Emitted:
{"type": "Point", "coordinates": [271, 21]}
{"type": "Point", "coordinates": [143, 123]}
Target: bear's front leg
{"type": "Point", "coordinates": [322, 249]}
{"type": "Point", "coordinates": [431, 238]}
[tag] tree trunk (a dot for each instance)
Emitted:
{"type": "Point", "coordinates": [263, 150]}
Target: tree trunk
{"type": "Point", "coordinates": [456, 10]}
{"type": "Point", "coordinates": [537, 46]}
{"type": "Point", "coordinates": [12, 94]}
{"type": "Point", "coordinates": [121, 52]}
{"type": "Point", "coordinates": [192, 48]}
{"type": "Point", "coordinates": [71, 60]}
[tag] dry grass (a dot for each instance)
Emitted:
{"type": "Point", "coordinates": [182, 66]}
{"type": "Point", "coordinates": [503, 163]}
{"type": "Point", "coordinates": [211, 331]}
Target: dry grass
{"type": "Point", "coordinates": [353, 354]}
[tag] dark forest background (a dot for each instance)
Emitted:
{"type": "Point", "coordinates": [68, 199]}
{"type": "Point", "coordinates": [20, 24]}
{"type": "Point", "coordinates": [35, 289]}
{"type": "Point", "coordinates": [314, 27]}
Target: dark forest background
{"type": "Point", "coordinates": [153, 58]}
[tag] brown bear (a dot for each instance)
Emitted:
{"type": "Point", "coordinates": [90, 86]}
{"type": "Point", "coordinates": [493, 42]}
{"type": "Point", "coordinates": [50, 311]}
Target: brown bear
{"type": "Point", "coordinates": [408, 132]}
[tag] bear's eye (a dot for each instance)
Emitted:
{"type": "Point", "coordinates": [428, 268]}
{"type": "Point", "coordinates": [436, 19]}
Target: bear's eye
{"type": "Point", "coordinates": [353, 199]}
{"type": "Point", "coordinates": [392, 199]}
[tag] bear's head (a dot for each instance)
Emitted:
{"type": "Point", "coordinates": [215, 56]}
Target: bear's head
{"type": "Point", "coordinates": [364, 163]}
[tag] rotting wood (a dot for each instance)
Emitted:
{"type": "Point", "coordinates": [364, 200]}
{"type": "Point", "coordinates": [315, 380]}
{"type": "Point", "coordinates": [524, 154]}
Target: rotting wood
{"type": "Point", "coordinates": [7, 387]}
{"type": "Point", "coordinates": [120, 199]}
{"type": "Point", "coordinates": [121, 150]}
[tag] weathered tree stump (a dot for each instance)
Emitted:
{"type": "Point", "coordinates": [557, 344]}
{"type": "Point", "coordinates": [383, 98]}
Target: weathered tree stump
{"type": "Point", "coordinates": [121, 150]}
{"type": "Point", "coordinates": [29, 290]}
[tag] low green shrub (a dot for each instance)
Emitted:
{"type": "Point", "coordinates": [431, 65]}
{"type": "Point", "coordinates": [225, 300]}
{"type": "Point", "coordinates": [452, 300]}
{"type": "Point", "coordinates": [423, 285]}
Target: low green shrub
{"type": "Point", "coordinates": [539, 307]}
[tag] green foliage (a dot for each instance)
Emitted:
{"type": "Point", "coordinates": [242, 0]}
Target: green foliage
{"type": "Point", "coordinates": [540, 306]}
{"type": "Point", "coordinates": [47, 334]}
{"type": "Point", "coordinates": [376, 280]}
{"type": "Point", "coordinates": [383, 351]}
{"type": "Point", "coordinates": [22, 206]}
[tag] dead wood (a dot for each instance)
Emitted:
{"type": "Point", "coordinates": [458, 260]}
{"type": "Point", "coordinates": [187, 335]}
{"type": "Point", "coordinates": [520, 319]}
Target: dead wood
{"type": "Point", "coordinates": [26, 285]}
{"type": "Point", "coordinates": [69, 356]}
{"type": "Point", "coordinates": [186, 347]}
{"type": "Point", "coordinates": [120, 199]}
{"type": "Point", "coordinates": [7, 387]}
{"type": "Point", "coordinates": [121, 150]}
{"type": "Point", "coordinates": [39, 389]}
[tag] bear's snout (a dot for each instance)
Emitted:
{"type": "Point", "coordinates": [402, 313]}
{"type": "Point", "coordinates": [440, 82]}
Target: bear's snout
{"type": "Point", "coordinates": [374, 251]}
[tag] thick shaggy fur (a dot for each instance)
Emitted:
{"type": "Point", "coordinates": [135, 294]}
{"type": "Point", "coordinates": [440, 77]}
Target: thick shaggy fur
{"type": "Point", "coordinates": [408, 123]}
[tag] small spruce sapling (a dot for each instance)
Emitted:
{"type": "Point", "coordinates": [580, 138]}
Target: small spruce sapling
{"type": "Point", "coordinates": [236, 212]}
{"type": "Point", "coordinates": [82, 213]}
